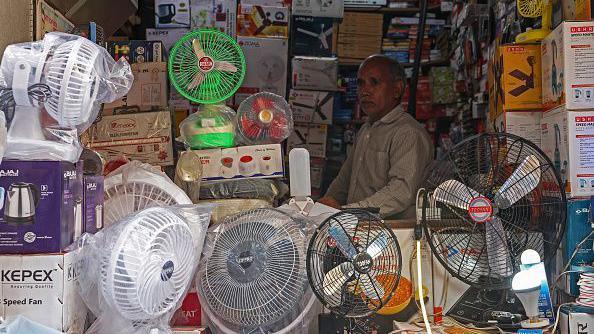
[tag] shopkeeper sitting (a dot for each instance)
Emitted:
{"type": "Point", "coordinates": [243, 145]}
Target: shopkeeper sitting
{"type": "Point", "coordinates": [391, 152]}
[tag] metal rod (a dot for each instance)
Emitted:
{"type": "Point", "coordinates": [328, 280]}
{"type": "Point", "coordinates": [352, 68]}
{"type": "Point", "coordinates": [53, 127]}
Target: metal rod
{"type": "Point", "coordinates": [412, 97]}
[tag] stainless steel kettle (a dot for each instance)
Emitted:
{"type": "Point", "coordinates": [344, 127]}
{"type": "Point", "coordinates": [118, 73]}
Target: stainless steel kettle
{"type": "Point", "coordinates": [21, 201]}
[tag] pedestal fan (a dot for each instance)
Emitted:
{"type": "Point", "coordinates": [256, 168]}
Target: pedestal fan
{"type": "Point", "coordinates": [491, 197]}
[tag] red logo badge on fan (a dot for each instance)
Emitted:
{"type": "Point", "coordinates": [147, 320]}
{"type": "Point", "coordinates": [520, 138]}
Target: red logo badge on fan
{"type": "Point", "coordinates": [480, 209]}
{"type": "Point", "coordinates": [206, 64]}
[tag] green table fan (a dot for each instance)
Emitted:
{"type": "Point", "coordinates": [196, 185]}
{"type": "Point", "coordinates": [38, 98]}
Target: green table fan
{"type": "Point", "coordinates": [207, 66]}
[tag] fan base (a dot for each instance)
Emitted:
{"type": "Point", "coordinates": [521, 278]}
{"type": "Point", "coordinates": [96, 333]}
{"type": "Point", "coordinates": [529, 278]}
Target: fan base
{"type": "Point", "coordinates": [532, 36]}
{"type": "Point", "coordinates": [537, 324]}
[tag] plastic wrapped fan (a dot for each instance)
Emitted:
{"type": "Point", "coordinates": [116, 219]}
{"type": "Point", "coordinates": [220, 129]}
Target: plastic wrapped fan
{"type": "Point", "coordinates": [264, 189]}
{"type": "Point", "coordinates": [264, 118]}
{"type": "Point", "coordinates": [74, 77]}
{"type": "Point", "coordinates": [135, 273]}
{"type": "Point", "coordinates": [212, 126]}
{"type": "Point", "coordinates": [136, 186]}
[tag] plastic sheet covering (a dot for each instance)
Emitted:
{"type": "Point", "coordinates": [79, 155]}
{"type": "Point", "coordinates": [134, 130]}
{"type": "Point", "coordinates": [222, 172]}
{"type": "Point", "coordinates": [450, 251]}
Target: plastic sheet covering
{"type": "Point", "coordinates": [21, 325]}
{"type": "Point", "coordinates": [188, 174]}
{"type": "Point", "coordinates": [265, 189]}
{"type": "Point", "coordinates": [135, 273]}
{"type": "Point", "coordinates": [212, 126]}
{"type": "Point", "coordinates": [229, 207]}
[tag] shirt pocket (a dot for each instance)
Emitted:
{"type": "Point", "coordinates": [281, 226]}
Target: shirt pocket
{"type": "Point", "coordinates": [377, 164]}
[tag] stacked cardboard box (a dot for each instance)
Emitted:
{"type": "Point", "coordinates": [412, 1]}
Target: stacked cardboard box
{"type": "Point", "coordinates": [360, 35]}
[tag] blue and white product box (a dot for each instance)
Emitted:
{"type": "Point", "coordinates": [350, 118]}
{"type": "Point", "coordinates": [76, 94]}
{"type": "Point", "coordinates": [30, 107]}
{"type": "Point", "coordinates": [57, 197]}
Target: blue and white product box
{"type": "Point", "coordinates": [576, 320]}
{"type": "Point", "coordinates": [93, 203]}
{"type": "Point", "coordinates": [258, 161]}
{"type": "Point", "coordinates": [172, 13]}
{"type": "Point", "coordinates": [41, 206]}
{"type": "Point", "coordinates": [312, 36]}
{"type": "Point", "coordinates": [579, 226]}
{"type": "Point", "coordinates": [43, 288]}
{"type": "Point", "coordinates": [545, 305]}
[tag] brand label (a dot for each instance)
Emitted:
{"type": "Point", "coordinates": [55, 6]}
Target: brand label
{"type": "Point", "coordinates": [122, 125]}
{"type": "Point", "coordinates": [20, 276]}
{"type": "Point", "coordinates": [70, 174]}
{"type": "Point", "coordinates": [167, 271]}
{"type": "Point", "coordinates": [582, 29]}
{"type": "Point", "coordinates": [480, 209]}
{"type": "Point", "coordinates": [9, 172]}
{"type": "Point", "coordinates": [206, 64]}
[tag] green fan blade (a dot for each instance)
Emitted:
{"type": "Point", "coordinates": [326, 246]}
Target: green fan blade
{"type": "Point", "coordinates": [217, 84]}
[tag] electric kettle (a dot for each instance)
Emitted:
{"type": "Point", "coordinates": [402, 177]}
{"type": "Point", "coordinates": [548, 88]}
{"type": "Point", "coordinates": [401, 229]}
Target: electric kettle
{"type": "Point", "coordinates": [20, 203]}
{"type": "Point", "coordinates": [166, 13]}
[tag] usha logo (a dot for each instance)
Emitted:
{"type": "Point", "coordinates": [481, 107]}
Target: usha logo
{"type": "Point", "coordinates": [582, 29]}
{"type": "Point", "coordinates": [122, 125]}
{"type": "Point", "coordinates": [9, 172]}
{"type": "Point", "coordinates": [21, 276]}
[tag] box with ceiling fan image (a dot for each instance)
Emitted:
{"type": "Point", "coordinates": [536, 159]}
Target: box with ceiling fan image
{"type": "Point", "coordinates": [312, 106]}
{"type": "Point", "coordinates": [312, 36]}
{"type": "Point", "coordinates": [315, 73]}
{"type": "Point", "coordinates": [312, 137]}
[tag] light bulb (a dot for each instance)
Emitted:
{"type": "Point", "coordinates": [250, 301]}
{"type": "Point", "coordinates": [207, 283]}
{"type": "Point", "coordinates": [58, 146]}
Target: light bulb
{"type": "Point", "coordinates": [526, 286]}
{"type": "Point", "coordinates": [530, 256]}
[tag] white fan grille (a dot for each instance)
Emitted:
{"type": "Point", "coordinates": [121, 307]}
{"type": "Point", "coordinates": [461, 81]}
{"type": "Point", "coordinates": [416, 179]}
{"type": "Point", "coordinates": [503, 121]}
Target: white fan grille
{"type": "Point", "coordinates": [256, 274]}
{"type": "Point", "coordinates": [73, 81]}
{"type": "Point", "coordinates": [150, 267]}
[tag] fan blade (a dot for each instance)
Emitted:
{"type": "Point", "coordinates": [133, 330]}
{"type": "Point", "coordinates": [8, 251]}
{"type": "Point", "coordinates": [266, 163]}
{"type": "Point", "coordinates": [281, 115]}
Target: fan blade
{"type": "Point", "coordinates": [198, 78]}
{"type": "Point", "coordinates": [198, 51]}
{"type": "Point", "coordinates": [335, 279]}
{"type": "Point", "coordinates": [343, 241]}
{"type": "Point", "coordinates": [371, 287]}
{"type": "Point", "coordinates": [261, 12]}
{"type": "Point", "coordinates": [377, 246]}
{"type": "Point", "coordinates": [313, 34]}
{"type": "Point", "coordinates": [324, 41]}
{"type": "Point", "coordinates": [225, 66]}
{"type": "Point", "coordinates": [301, 105]}
{"type": "Point", "coordinates": [455, 193]}
{"type": "Point", "coordinates": [522, 181]}
{"type": "Point", "coordinates": [325, 99]}
{"type": "Point", "coordinates": [328, 32]}
{"type": "Point", "coordinates": [260, 29]}
{"type": "Point", "coordinates": [497, 250]}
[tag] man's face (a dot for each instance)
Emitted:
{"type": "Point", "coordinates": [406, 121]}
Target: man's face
{"type": "Point", "coordinates": [377, 91]}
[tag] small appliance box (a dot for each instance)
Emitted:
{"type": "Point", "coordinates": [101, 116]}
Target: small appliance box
{"type": "Point", "coordinates": [41, 206]}
{"type": "Point", "coordinates": [42, 287]}
{"type": "Point", "coordinates": [148, 91]}
{"type": "Point", "coordinates": [172, 13]}
{"type": "Point", "coordinates": [567, 72]}
{"type": "Point", "coordinates": [576, 320]}
{"type": "Point", "coordinates": [578, 227]}
{"type": "Point", "coordinates": [189, 313]}
{"type": "Point", "coordinates": [567, 137]}
{"type": "Point", "coordinates": [267, 60]}
{"type": "Point", "coordinates": [525, 124]}
{"type": "Point", "coordinates": [220, 14]}
{"type": "Point", "coordinates": [93, 203]}
{"type": "Point", "coordinates": [167, 36]}
{"type": "Point", "coordinates": [136, 51]}
{"type": "Point", "coordinates": [311, 137]}
{"type": "Point", "coordinates": [144, 136]}
{"type": "Point", "coordinates": [315, 73]}
{"type": "Point", "coordinates": [517, 67]}
{"type": "Point", "coordinates": [312, 106]}
{"type": "Point", "coordinates": [325, 8]}
{"type": "Point", "coordinates": [312, 36]}
{"type": "Point", "coordinates": [263, 21]}
{"type": "Point", "coordinates": [258, 161]}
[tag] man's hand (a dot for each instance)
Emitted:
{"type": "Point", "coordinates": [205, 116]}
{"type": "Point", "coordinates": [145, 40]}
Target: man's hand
{"type": "Point", "coordinates": [329, 201]}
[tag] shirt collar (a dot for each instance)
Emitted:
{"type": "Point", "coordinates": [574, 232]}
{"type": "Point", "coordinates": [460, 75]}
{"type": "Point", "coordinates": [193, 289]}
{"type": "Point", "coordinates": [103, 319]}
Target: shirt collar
{"type": "Point", "coordinates": [392, 116]}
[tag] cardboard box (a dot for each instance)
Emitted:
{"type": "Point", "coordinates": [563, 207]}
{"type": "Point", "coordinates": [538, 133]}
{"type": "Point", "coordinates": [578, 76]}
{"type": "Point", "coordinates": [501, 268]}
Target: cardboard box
{"type": "Point", "coordinates": [40, 200]}
{"type": "Point", "coordinates": [517, 77]}
{"type": "Point", "coordinates": [136, 51]}
{"type": "Point", "coordinates": [578, 227]}
{"type": "Point", "coordinates": [567, 66]}
{"type": "Point", "coordinates": [44, 289]}
{"type": "Point", "coordinates": [220, 14]}
{"type": "Point", "coordinates": [93, 198]}
{"type": "Point", "coordinates": [262, 21]}
{"type": "Point", "coordinates": [357, 23]}
{"type": "Point", "coordinates": [568, 140]}
{"type": "Point", "coordinates": [266, 59]}
{"type": "Point", "coordinates": [172, 13]}
{"type": "Point", "coordinates": [312, 36]}
{"type": "Point", "coordinates": [259, 161]}
{"type": "Point", "coordinates": [311, 137]}
{"type": "Point", "coordinates": [167, 36]}
{"type": "Point", "coordinates": [574, 319]}
{"type": "Point", "coordinates": [525, 124]}
{"type": "Point", "coordinates": [315, 73]}
{"type": "Point", "coordinates": [317, 166]}
{"type": "Point", "coordinates": [48, 19]}
{"type": "Point", "coordinates": [360, 50]}
{"type": "Point", "coordinates": [138, 136]}
{"type": "Point", "coordinates": [311, 106]}
{"type": "Point", "coordinates": [189, 313]}
{"type": "Point", "coordinates": [148, 91]}
{"type": "Point", "coordinates": [17, 22]}
{"type": "Point", "coordinates": [333, 8]}
{"type": "Point", "coordinates": [577, 10]}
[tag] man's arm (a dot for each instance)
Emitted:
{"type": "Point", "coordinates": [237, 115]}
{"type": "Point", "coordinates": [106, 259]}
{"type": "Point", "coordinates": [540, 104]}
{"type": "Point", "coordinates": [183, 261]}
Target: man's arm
{"type": "Point", "coordinates": [339, 188]}
{"type": "Point", "coordinates": [409, 157]}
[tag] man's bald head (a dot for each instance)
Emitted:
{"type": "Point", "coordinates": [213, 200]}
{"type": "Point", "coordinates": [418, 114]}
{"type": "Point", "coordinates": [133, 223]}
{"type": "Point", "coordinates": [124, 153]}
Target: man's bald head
{"type": "Point", "coordinates": [396, 71]}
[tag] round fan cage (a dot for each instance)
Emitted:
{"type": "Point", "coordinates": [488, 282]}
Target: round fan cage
{"type": "Point", "coordinates": [345, 257]}
{"type": "Point", "coordinates": [264, 118]}
{"type": "Point", "coordinates": [530, 8]}
{"type": "Point", "coordinates": [136, 192]}
{"type": "Point", "coordinates": [493, 196]}
{"type": "Point", "coordinates": [73, 81]}
{"type": "Point", "coordinates": [255, 276]}
{"type": "Point", "coordinates": [150, 266]}
{"type": "Point", "coordinates": [217, 84]}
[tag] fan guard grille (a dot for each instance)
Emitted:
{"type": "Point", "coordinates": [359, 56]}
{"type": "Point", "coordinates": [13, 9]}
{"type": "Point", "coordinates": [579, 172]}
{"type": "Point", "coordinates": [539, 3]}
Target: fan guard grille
{"type": "Point", "coordinates": [264, 118]}
{"type": "Point", "coordinates": [256, 273]}
{"type": "Point", "coordinates": [324, 254]}
{"type": "Point", "coordinates": [483, 164]}
{"type": "Point", "coordinates": [530, 8]}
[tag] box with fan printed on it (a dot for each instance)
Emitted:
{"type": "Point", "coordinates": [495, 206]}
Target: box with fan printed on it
{"type": "Point", "coordinates": [44, 289]}
{"type": "Point", "coordinates": [257, 161]}
{"type": "Point", "coordinates": [311, 106]}
{"type": "Point", "coordinates": [266, 59]}
{"type": "Point", "coordinates": [262, 21]}
{"type": "Point", "coordinates": [312, 137]}
{"type": "Point", "coordinates": [315, 73]}
{"type": "Point", "coordinates": [312, 36]}
{"type": "Point", "coordinates": [319, 8]}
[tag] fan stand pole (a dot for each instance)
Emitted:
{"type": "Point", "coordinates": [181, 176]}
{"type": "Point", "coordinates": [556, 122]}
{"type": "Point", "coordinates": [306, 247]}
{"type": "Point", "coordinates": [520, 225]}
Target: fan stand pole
{"type": "Point", "coordinates": [412, 98]}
